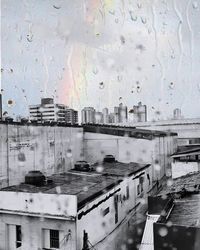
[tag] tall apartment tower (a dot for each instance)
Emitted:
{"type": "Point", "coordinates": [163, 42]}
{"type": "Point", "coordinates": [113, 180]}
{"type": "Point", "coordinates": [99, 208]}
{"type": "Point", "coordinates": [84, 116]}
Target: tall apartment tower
{"type": "Point", "coordinates": [123, 113]}
{"type": "Point", "coordinates": [177, 114]}
{"type": "Point", "coordinates": [139, 113]}
{"type": "Point", "coordinates": [88, 115]}
{"type": "Point", "coordinates": [105, 112]}
{"type": "Point", "coordinates": [71, 116]}
{"type": "Point", "coordinates": [47, 110]}
{"type": "Point", "coordinates": [98, 117]}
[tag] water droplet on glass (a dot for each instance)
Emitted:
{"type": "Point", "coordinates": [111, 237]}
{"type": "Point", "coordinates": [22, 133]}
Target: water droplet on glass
{"type": "Point", "coordinates": [171, 85]}
{"type": "Point", "coordinates": [29, 37]}
{"type": "Point", "coordinates": [112, 12]}
{"type": "Point", "coordinates": [133, 16]}
{"type": "Point", "coordinates": [119, 78]}
{"type": "Point", "coordinates": [99, 169]}
{"type": "Point", "coordinates": [195, 5]}
{"type": "Point", "coordinates": [56, 7]}
{"type": "Point", "coordinates": [144, 20]}
{"type": "Point", "coordinates": [69, 153]}
{"type": "Point", "coordinates": [140, 47]}
{"type": "Point", "coordinates": [10, 103]}
{"type": "Point", "coordinates": [101, 85]}
{"type": "Point", "coordinates": [95, 71]}
{"type": "Point", "coordinates": [157, 167]}
{"type": "Point", "coordinates": [122, 39]}
{"type": "Point", "coordinates": [163, 231]}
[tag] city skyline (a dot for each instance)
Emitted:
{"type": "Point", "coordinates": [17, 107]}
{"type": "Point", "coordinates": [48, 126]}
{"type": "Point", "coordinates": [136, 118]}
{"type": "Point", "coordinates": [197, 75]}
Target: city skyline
{"type": "Point", "coordinates": [112, 53]}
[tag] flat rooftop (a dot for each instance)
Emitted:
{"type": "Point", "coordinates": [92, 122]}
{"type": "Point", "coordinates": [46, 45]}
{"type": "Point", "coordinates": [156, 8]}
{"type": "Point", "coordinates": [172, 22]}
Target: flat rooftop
{"type": "Point", "coordinates": [190, 182]}
{"type": "Point", "coordinates": [186, 211]}
{"type": "Point", "coordinates": [126, 131]}
{"type": "Point", "coordinates": [85, 185]}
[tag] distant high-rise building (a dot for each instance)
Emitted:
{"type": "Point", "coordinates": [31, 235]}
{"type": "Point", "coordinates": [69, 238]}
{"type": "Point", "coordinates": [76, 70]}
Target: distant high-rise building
{"type": "Point", "coordinates": [105, 115]}
{"type": "Point", "coordinates": [123, 113]}
{"type": "Point", "coordinates": [177, 114]}
{"type": "Point", "coordinates": [88, 115]}
{"type": "Point", "coordinates": [111, 118]}
{"type": "Point", "coordinates": [116, 115]}
{"type": "Point", "coordinates": [139, 113]}
{"type": "Point", "coordinates": [71, 116]}
{"type": "Point", "coordinates": [49, 111]}
{"type": "Point", "coordinates": [98, 117]}
{"type": "Point", "coordinates": [0, 106]}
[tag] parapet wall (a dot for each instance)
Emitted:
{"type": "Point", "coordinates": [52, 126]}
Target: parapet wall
{"type": "Point", "coordinates": [50, 149]}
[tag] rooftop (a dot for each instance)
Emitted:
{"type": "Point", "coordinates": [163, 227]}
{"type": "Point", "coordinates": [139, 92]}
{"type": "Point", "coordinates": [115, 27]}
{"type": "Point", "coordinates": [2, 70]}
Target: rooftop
{"type": "Point", "coordinates": [190, 182]}
{"type": "Point", "coordinates": [186, 151]}
{"type": "Point", "coordinates": [126, 131]}
{"type": "Point", "coordinates": [186, 211]}
{"type": "Point", "coordinates": [85, 185]}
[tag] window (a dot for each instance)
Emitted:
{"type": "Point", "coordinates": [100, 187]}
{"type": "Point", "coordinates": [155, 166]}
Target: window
{"type": "Point", "coordinates": [105, 211]}
{"type": "Point", "coordinates": [141, 183]}
{"type": "Point", "coordinates": [54, 239]}
{"type": "Point", "coordinates": [127, 192]}
{"type": "Point", "coordinates": [138, 189]}
{"type": "Point", "coordinates": [18, 236]}
{"type": "Point", "coordinates": [148, 177]}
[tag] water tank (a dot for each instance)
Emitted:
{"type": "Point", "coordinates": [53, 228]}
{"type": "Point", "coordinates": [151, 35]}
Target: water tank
{"type": "Point", "coordinates": [35, 178]}
{"type": "Point", "coordinates": [109, 158]}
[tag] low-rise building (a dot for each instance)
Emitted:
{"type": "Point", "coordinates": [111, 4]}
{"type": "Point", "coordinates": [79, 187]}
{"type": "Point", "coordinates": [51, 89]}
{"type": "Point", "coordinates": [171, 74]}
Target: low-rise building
{"type": "Point", "coordinates": [65, 209]}
{"type": "Point", "coordinates": [186, 160]}
{"type": "Point", "coordinates": [48, 111]}
{"type": "Point", "coordinates": [173, 218]}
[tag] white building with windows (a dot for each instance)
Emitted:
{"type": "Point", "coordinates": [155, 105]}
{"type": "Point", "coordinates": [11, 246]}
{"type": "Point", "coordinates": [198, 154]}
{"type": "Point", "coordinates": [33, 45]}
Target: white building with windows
{"type": "Point", "coordinates": [58, 213]}
{"type": "Point", "coordinates": [51, 112]}
{"type": "Point", "coordinates": [88, 115]}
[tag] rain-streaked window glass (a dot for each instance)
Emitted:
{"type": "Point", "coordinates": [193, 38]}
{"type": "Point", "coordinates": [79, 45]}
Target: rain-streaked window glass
{"type": "Point", "coordinates": [100, 124]}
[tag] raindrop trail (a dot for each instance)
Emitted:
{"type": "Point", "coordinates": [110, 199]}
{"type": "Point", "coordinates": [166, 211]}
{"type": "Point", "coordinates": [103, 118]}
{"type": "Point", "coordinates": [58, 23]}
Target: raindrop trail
{"type": "Point", "coordinates": [156, 49]}
{"type": "Point", "coordinates": [180, 39]}
{"type": "Point", "coordinates": [47, 71]}
{"type": "Point", "coordinates": [84, 72]}
{"type": "Point", "coordinates": [179, 34]}
{"type": "Point", "coordinates": [191, 42]}
{"type": "Point", "coordinates": [70, 67]}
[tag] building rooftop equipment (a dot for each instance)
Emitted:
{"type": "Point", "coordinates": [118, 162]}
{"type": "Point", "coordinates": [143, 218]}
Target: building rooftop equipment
{"type": "Point", "coordinates": [85, 185]}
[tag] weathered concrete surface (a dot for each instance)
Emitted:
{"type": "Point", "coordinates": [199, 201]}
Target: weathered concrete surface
{"type": "Point", "coordinates": [128, 149]}
{"type": "Point", "coordinates": [45, 148]}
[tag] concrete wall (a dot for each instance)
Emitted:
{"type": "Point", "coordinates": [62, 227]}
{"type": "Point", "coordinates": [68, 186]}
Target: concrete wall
{"type": "Point", "coordinates": [183, 168]}
{"type": "Point", "coordinates": [33, 232]}
{"type": "Point", "coordinates": [186, 128]}
{"type": "Point", "coordinates": [39, 203]}
{"type": "Point", "coordinates": [104, 225]}
{"type": "Point", "coordinates": [128, 149]}
{"type": "Point", "coordinates": [27, 147]}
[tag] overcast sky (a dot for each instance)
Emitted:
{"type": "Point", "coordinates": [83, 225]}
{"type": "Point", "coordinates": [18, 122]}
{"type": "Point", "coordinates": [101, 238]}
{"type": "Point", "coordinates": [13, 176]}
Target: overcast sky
{"type": "Point", "coordinates": [101, 53]}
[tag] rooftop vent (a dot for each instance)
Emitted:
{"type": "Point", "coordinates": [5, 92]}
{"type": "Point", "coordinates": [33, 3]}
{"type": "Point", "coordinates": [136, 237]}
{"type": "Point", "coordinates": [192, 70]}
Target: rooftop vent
{"type": "Point", "coordinates": [109, 158]}
{"type": "Point", "coordinates": [83, 166]}
{"type": "Point", "coordinates": [35, 178]}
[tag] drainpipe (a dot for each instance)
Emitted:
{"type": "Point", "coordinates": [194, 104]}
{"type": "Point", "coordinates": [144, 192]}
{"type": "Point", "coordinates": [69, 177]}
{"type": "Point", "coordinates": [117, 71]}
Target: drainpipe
{"type": "Point", "coordinates": [85, 241]}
